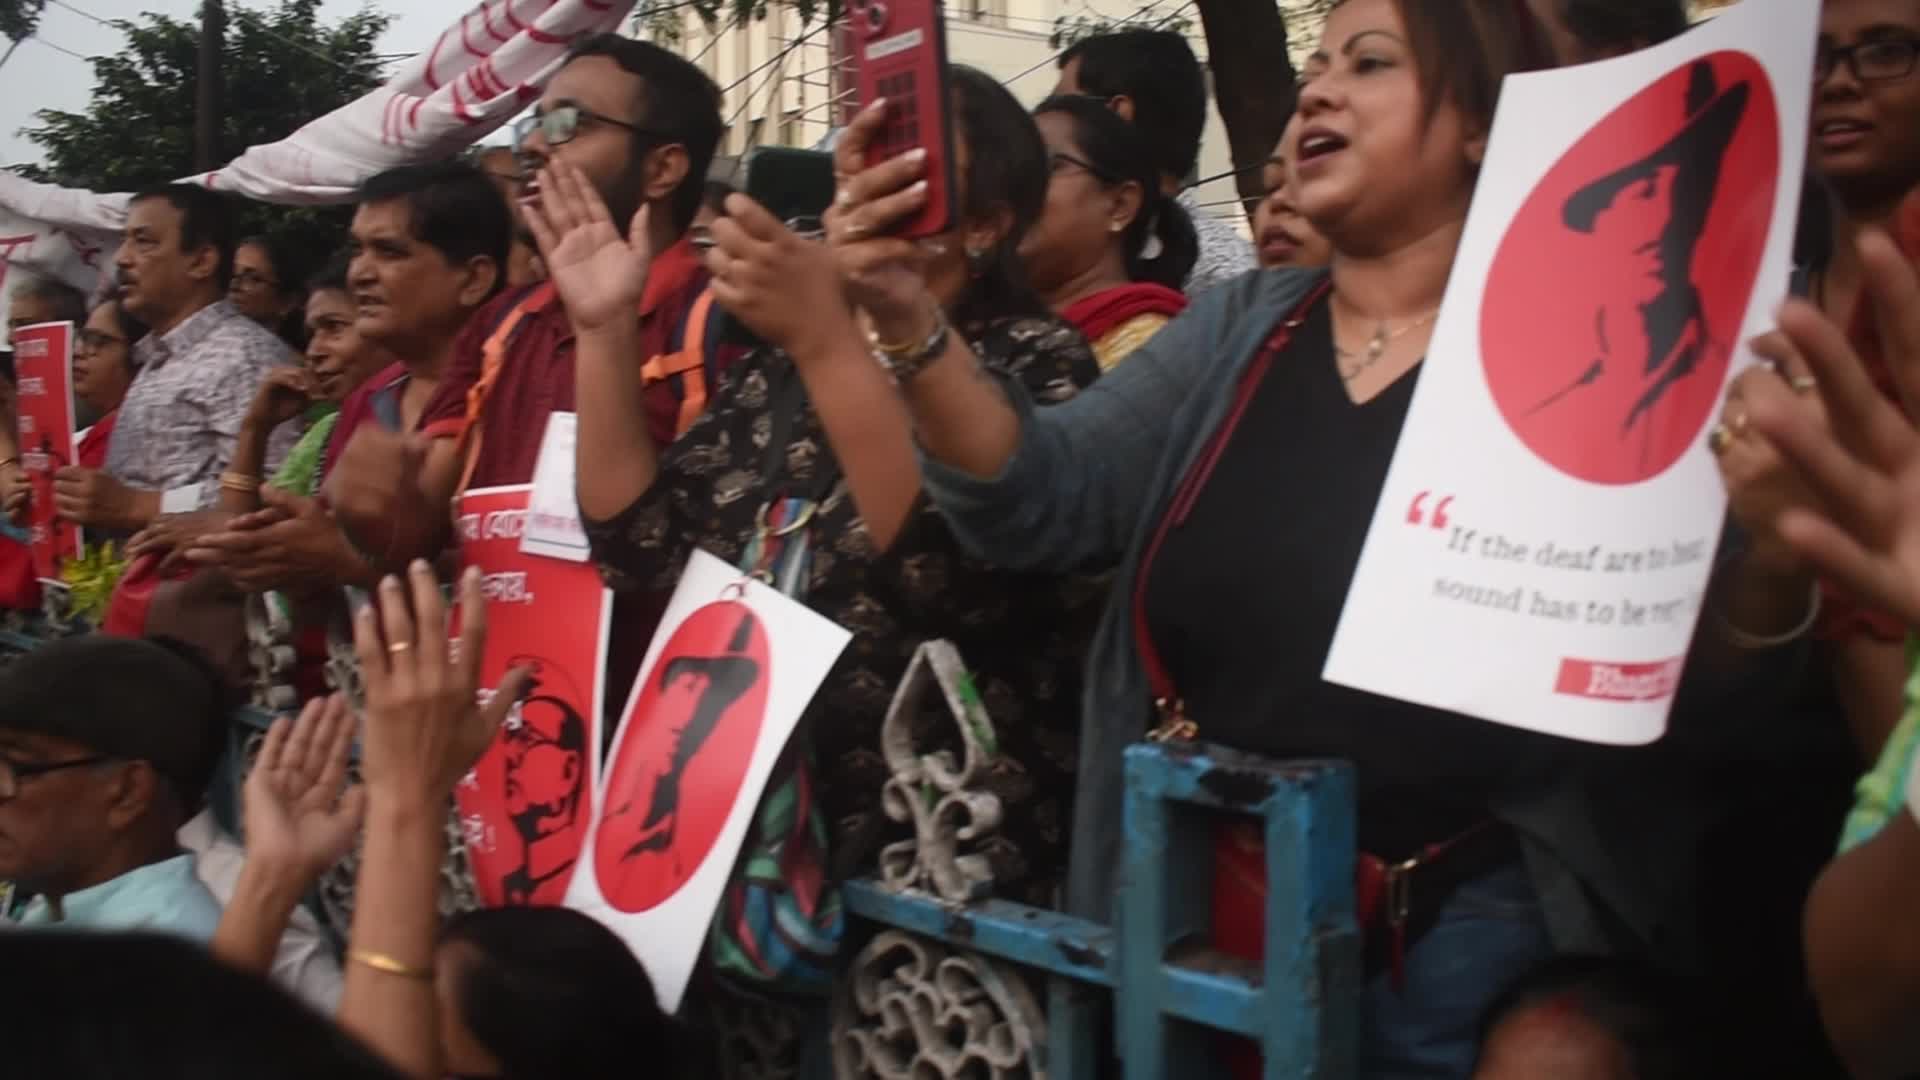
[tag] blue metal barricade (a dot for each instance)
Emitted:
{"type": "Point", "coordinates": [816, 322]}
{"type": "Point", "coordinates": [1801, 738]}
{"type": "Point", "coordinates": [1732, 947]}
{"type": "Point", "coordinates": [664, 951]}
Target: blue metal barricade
{"type": "Point", "coordinates": [1169, 991]}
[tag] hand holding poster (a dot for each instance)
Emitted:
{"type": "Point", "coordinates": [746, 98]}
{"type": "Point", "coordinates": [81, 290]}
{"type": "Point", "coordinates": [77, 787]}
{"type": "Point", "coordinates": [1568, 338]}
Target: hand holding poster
{"type": "Point", "coordinates": [43, 370]}
{"type": "Point", "coordinates": [729, 672]}
{"type": "Point", "coordinates": [525, 807]}
{"type": "Point", "coordinates": [1543, 543]}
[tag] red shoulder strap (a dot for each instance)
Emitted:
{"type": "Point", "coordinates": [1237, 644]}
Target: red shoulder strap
{"type": "Point", "coordinates": [1159, 679]}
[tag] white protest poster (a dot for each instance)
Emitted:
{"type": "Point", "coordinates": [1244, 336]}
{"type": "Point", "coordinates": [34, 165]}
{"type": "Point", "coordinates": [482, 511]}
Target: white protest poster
{"type": "Point", "coordinates": [553, 512]}
{"type": "Point", "coordinates": [1544, 539]}
{"type": "Point", "coordinates": [726, 678]}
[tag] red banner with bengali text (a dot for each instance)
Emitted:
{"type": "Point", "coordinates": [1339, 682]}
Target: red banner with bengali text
{"type": "Point", "coordinates": [43, 368]}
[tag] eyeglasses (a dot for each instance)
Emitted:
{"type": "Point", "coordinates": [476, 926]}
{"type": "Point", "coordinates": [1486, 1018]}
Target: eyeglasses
{"type": "Point", "coordinates": [561, 123]}
{"type": "Point", "coordinates": [1870, 61]}
{"type": "Point", "coordinates": [1057, 162]}
{"type": "Point", "coordinates": [13, 772]}
{"type": "Point", "coordinates": [93, 341]}
{"type": "Point", "coordinates": [248, 279]}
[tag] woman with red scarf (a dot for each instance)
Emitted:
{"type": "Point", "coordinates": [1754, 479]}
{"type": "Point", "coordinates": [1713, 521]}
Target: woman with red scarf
{"type": "Point", "coordinates": [1110, 251]}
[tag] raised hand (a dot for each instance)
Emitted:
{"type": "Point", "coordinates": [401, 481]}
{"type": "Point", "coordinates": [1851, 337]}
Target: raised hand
{"type": "Point", "coordinates": [1761, 485]}
{"type": "Point", "coordinates": [1864, 466]}
{"type": "Point", "coordinates": [886, 276]}
{"type": "Point", "coordinates": [424, 727]}
{"type": "Point", "coordinates": [599, 273]}
{"type": "Point", "coordinates": [298, 814]}
{"type": "Point", "coordinates": [784, 288]}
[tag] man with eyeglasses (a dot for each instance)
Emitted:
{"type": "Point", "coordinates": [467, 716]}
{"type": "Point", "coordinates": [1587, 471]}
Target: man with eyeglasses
{"type": "Point", "coordinates": [198, 368]}
{"type": "Point", "coordinates": [642, 124]}
{"type": "Point", "coordinates": [107, 745]}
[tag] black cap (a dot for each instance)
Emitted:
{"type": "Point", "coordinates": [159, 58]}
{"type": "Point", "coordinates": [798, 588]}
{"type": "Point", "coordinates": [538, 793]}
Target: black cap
{"type": "Point", "coordinates": [127, 698]}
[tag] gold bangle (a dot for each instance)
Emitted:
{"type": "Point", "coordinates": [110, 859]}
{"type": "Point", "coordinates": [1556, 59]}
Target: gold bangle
{"type": "Point", "coordinates": [240, 482]}
{"type": "Point", "coordinates": [387, 965]}
{"type": "Point", "coordinates": [907, 349]}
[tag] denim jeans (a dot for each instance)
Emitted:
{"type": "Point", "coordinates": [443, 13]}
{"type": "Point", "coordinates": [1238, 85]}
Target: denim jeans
{"type": "Point", "coordinates": [1489, 933]}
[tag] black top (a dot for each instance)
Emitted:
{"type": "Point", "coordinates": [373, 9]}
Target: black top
{"type": "Point", "coordinates": [1243, 597]}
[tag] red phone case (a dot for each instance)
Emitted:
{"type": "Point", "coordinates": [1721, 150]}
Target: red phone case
{"type": "Point", "coordinates": [900, 54]}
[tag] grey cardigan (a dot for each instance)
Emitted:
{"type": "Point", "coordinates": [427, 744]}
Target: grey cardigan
{"type": "Point", "coordinates": [1085, 490]}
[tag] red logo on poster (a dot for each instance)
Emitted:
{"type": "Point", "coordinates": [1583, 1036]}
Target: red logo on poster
{"type": "Point", "coordinates": [683, 757]}
{"type": "Point", "coordinates": [1615, 300]}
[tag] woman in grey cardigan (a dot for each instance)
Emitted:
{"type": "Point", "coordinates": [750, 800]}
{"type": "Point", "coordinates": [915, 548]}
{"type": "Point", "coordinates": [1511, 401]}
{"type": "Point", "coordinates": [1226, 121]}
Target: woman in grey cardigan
{"type": "Point", "coordinates": [1230, 470]}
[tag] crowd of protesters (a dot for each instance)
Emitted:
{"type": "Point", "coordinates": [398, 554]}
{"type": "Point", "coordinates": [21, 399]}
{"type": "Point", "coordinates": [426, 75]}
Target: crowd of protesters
{"type": "Point", "coordinates": [982, 439]}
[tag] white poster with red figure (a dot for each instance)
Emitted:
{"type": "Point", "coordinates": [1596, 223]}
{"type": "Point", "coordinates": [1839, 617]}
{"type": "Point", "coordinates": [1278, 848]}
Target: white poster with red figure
{"type": "Point", "coordinates": [43, 372]}
{"type": "Point", "coordinates": [1543, 543]}
{"type": "Point", "coordinates": [726, 678]}
{"type": "Point", "coordinates": [526, 807]}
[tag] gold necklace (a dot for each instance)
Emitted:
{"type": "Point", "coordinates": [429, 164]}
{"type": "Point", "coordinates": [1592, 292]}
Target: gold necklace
{"type": "Point", "coordinates": [1377, 345]}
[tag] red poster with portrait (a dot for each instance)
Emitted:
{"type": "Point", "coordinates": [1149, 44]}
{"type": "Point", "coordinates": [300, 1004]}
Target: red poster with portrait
{"type": "Point", "coordinates": [43, 369]}
{"type": "Point", "coordinates": [525, 808]}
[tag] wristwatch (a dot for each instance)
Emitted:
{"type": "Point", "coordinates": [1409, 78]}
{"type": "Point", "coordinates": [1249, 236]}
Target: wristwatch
{"type": "Point", "coordinates": [904, 362]}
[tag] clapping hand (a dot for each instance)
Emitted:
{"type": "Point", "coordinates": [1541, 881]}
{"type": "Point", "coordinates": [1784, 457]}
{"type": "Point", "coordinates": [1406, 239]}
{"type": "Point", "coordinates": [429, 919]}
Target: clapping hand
{"type": "Point", "coordinates": [290, 544]}
{"type": "Point", "coordinates": [1864, 466]}
{"type": "Point", "coordinates": [425, 728]}
{"type": "Point", "coordinates": [599, 273]}
{"type": "Point", "coordinates": [299, 815]}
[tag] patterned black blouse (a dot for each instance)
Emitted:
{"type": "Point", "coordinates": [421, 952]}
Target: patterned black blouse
{"type": "Point", "coordinates": [1023, 636]}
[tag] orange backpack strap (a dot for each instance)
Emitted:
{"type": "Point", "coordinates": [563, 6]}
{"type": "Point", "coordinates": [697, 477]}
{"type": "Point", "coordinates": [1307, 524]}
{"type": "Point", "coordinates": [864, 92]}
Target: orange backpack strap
{"type": "Point", "coordinates": [689, 363]}
{"type": "Point", "coordinates": [493, 358]}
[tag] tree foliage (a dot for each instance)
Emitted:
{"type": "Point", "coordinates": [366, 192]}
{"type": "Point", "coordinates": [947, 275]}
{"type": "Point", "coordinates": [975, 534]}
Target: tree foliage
{"type": "Point", "coordinates": [19, 17]}
{"type": "Point", "coordinates": [280, 67]}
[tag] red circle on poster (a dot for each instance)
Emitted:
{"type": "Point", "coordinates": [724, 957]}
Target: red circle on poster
{"type": "Point", "coordinates": [680, 763]}
{"type": "Point", "coordinates": [1615, 300]}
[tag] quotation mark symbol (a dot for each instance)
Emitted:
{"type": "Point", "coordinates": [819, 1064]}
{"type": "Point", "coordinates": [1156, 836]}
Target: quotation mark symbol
{"type": "Point", "coordinates": [1417, 514]}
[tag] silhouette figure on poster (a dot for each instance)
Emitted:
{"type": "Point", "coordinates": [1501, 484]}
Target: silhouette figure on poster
{"type": "Point", "coordinates": [716, 682]}
{"type": "Point", "coordinates": [1651, 327]}
{"type": "Point", "coordinates": [546, 771]}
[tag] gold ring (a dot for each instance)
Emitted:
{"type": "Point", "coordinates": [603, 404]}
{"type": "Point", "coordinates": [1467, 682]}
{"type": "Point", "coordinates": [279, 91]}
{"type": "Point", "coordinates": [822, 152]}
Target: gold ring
{"type": "Point", "coordinates": [399, 647]}
{"type": "Point", "coordinates": [1738, 422]}
{"type": "Point", "coordinates": [1719, 439]}
{"type": "Point", "coordinates": [1804, 384]}
{"type": "Point", "coordinates": [843, 198]}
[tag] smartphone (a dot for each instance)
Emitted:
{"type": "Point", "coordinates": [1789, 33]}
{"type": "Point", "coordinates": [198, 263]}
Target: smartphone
{"type": "Point", "coordinates": [900, 54]}
{"type": "Point", "coordinates": [795, 186]}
